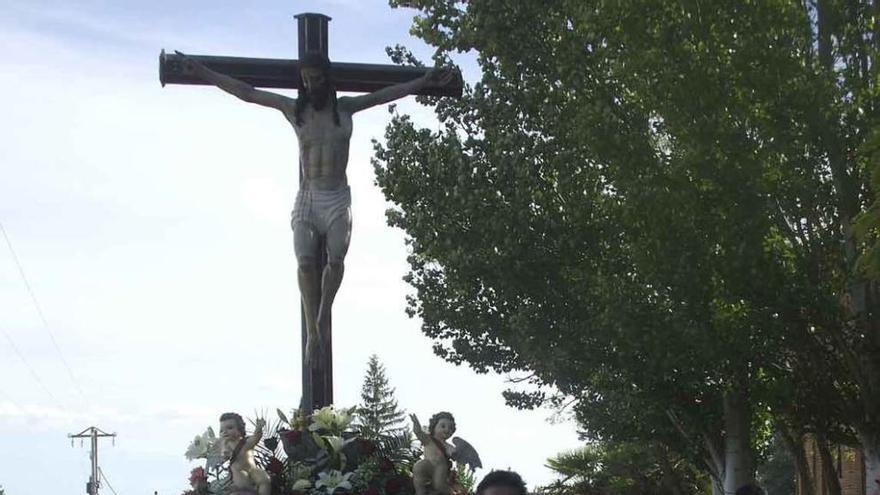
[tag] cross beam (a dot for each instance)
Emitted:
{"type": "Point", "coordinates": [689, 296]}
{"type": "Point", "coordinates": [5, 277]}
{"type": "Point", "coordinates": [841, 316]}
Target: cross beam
{"type": "Point", "coordinates": [317, 381]}
{"type": "Point", "coordinates": [284, 73]}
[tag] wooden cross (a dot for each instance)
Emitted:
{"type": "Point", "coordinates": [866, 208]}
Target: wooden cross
{"type": "Point", "coordinates": [317, 382]}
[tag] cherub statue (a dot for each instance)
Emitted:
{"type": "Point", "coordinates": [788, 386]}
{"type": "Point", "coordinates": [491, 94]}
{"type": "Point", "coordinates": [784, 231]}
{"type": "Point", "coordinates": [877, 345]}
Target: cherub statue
{"type": "Point", "coordinates": [433, 474]}
{"type": "Point", "coordinates": [247, 477]}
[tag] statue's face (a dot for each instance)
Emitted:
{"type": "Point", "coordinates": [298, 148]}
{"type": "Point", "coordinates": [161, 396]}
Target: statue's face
{"type": "Point", "coordinates": [315, 84]}
{"type": "Point", "coordinates": [444, 429]}
{"type": "Point", "coordinates": [229, 430]}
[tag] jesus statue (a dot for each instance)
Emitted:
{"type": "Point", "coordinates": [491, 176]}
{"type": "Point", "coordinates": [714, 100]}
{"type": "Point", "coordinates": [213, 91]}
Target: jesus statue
{"type": "Point", "coordinates": [322, 210]}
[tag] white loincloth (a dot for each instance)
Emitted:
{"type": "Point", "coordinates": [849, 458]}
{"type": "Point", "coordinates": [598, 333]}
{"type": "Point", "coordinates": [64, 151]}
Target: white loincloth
{"type": "Point", "coordinates": [320, 208]}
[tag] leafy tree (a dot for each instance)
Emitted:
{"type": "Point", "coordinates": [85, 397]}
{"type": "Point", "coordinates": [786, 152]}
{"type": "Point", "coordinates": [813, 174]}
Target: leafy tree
{"type": "Point", "coordinates": [868, 223]}
{"type": "Point", "coordinates": [378, 414]}
{"type": "Point", "coordinates": [649, 206]}
{"type": "Point", "coordinates": [624, 469]}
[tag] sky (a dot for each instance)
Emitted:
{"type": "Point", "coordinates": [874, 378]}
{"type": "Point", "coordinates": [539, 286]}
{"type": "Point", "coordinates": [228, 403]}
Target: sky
{"type": "Point", "coordinates": [148, 283]}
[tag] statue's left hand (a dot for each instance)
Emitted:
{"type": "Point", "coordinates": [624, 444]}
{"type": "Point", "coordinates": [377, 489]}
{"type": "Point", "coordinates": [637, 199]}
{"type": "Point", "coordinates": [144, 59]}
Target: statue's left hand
{"type": "Point", "coordinates": [440, 76]}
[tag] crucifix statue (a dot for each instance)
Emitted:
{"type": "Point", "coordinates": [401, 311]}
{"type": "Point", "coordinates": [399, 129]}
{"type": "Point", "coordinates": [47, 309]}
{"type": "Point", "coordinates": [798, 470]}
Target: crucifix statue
{"type": "Point", "coordinates": [321, 217]}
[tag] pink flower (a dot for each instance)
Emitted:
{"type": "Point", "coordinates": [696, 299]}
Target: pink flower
{"type": "Point", "coordinates": [197, 475]}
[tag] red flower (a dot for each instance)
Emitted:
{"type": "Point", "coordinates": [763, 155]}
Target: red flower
{"type": "Point", "coordinates": [366, 447]}
{"type": "Point", "coordinates": [393, 486]}
{"type": "Point", "coordinates": [371, 491]}
{"type": "Point", "coordinates": [386, 466]}
{"type": "Point", "coordinates": [275, 466]}
{"type": "Point", "coordinates": [293, 436]}
{"type": "Point", "coordinates": [197, 474]}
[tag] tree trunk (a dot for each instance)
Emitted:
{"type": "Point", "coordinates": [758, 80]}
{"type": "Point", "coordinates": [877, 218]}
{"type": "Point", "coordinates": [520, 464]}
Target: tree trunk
{"type": "Point", "coordinates": [823, 28]}
{"type": "Point", "coordinates": [715, 468]}
{"type": "Point", "coordinates": [794, 443]}
{"type": "Point", "coordinates": [738, 458]}
{"type": "Point", "coordinates": [829, 472]}
{"type": "Point", "coordinates": [871, 449]}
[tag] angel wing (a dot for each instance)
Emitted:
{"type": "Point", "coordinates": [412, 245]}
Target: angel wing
{"type": "Point", "coordinates": [466, 454]}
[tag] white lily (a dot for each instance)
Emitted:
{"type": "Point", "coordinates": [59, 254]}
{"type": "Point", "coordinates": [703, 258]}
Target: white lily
{"type": "Point", "coordinates": [201, 445]}
{"type": "Point", "coordinates": [328, 418]}
{"type": "Point", "coordinates": [333, 480]}
{"type": "Point", "coordinates": [301, 485]}
{"type": "Point", "coordinates": [334, 442]}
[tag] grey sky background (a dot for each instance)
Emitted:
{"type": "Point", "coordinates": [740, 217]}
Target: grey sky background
{"type": "Point", "coordinates": [153, 226]}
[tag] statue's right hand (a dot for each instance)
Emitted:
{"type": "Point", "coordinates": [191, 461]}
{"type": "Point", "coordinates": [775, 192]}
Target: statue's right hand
{"type": "Point", "coordinates": [189, 65]}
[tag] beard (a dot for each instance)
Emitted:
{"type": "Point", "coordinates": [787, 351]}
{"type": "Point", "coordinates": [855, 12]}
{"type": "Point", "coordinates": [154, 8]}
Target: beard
{"type": "Point", "coordinates": [319, 97]}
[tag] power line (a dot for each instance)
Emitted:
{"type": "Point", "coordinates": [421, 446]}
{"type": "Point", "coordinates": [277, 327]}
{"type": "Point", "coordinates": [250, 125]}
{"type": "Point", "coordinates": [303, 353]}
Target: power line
{"type": "Point", "coordinates": [32, 371]}
{"type": "Point", "coordinates": [42, 316]}
{"type": "Point", "coordinates": [104, 477]}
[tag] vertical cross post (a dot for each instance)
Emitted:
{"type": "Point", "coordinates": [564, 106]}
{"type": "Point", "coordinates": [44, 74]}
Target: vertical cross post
{"type": "Point", "coordinates": [317, 380]}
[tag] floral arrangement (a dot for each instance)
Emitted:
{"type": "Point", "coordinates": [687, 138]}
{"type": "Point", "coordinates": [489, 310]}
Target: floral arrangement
{"type": "Point", "coordinates": [318, 454]}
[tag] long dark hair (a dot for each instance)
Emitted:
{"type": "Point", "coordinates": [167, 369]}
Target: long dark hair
{"type": "Point", "coordinates": [315, 60]}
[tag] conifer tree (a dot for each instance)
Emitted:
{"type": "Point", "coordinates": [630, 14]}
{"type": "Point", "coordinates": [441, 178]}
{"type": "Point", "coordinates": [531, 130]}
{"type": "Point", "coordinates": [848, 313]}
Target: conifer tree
{"type": "Point", "coordinates": [378, 413]}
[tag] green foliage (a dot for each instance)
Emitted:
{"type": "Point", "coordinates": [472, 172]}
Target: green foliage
{"type": "Point", "coordinates": [378, 415]}
{"type": "Point", "coordinates": [467, 479]}
{"type": "Point", "coordinates": [777, 471]}
{"type": "Point", "coordinates": [320, 454]}
{"type": "Point", "coordinates": [647, 205]}
{"type": "Point", "coordinates": [867, 225]}
{"type": "Point", "coordinates": [399, 448]}
{"type": "Point", "coordinates": [624, 469]}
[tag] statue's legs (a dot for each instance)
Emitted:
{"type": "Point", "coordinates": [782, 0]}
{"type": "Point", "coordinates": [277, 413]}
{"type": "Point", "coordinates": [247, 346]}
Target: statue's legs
{"type": "Point", "coordinates": [422, 474]}
{"type": "Point", "coordinates": [440, 481]}
{"type": "Point", "coordinates": [306, 244]}
{"type": "Point", "coordinates": [338, 238]}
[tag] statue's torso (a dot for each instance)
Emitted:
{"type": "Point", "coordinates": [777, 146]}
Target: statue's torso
{"type": "Point", "coordinates": [323, 148]}
{"type": "Point", "coordinates": [437, 456]}
{"type": "Point", "coordinates": [242, 468]}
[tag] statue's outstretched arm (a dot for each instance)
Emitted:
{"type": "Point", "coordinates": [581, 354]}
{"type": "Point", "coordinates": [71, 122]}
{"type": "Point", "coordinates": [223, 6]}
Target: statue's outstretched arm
{"type": "Point", "coordinates": [254, 439]}
{"type": "Point", "coordinates": [434, 77]}
{"type": "Point", "coordinates": [239, 89]}
{"type": "Point", "coordinates": [417, 429]}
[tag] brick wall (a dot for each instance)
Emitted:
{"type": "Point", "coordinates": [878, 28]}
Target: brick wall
{"type": "Point", "coordinates": [848, 462]}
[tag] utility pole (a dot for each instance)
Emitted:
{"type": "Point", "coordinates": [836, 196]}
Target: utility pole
{"type": "Point", "coordinates": [93, 434]}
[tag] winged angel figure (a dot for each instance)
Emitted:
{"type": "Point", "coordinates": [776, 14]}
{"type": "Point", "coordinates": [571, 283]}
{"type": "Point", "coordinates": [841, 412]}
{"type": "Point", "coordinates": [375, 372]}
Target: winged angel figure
{"type": "Point", "coordinates": [433, 474]}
